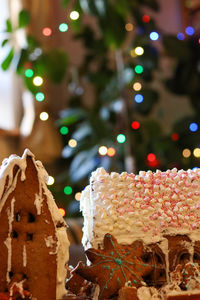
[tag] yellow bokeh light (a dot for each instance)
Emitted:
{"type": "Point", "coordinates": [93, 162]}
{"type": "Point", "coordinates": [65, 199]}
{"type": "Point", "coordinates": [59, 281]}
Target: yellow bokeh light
{"type": "Point", "coordinates": [74, 15]}
{"type": "Point", "coordinates": [51, 180]}
{"type": "Point", "coordinates": [38, 80]}
{"type": "Point", "coordinates": [103, 150]}
{"type": "Point", "coordinates": [139, 50]}
{"type": "Point", "coordinates": [196, 152]}
{"type": "Point", "coordinates": [78, 196]}
{"type": "Point", "coordinates": [137, 86]}
{"type": "Point", "coordinates": [44, 116]}
{"type": "Point", "coordinates": [186, 153]}
{"type": "Point", "coordinates": [62, 211]}
{"type": "Point", "coordinates": [129, 27]}
{"type": "Point", "coordinates": [72, 143]}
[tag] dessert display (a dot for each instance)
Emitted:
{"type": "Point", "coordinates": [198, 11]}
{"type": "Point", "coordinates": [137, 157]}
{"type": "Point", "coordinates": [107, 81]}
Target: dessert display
{"type": "Point", "coordinates": [33, 238]}
{"type": "Point", "coordinates": [141, 234]}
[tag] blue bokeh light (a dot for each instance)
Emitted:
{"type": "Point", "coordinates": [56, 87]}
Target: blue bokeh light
{"type": "Point", "coordinates": [193, 127]}
{"type": "Point", "coordinates": [189, 30]}
{"type": "Point", "coordinates": [154, 36]}
{"type": "Point", "coordinates": [180, 36]}
{"type": "Point", "coordinates": [139, 98]}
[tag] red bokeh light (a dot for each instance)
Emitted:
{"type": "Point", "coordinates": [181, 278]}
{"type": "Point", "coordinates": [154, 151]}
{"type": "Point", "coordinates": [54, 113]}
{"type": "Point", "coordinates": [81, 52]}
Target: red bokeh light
{"type": "Point", "coordinates": [175, 136]}
{"type": "Point", "coordinates": [47, 31]}
{"type": "Point", "coordinates": [146, 19]}
{"type": "Point", "coordinates": [135, 125]}
{"type": "Point", "coordinates": [27, 65]}
{"type": "Point", "coordinates": [153, 164]}
{"type": "Point", "coordinates": [151, 157]}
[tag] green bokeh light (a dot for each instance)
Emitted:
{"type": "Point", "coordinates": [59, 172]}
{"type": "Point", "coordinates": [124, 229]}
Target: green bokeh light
{"type": "Point", "coordinates": [39, 97]}
{"type": "Point", "coordinates": [29, 73]}
{"type": "Point", "coordinates": [64, 130]}
{"type": "Point", "coordinates": [67, 190]}
{"type": "Point", "coordinates": [121, 138]}
{"type": "Point", "coordinates": [63, 27]}
{"type": "Point", "coordinates": [138, 69]}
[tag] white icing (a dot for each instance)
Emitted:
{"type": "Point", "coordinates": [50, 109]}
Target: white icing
{"type": "Point", "coordinates": [19, 285]}
{"type": "Point", "coordinates": [24, 256]}
{"type": "Point", "coordinates": [6, 173]}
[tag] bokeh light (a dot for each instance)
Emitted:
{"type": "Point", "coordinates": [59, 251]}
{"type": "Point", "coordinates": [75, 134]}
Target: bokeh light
{"type": "Point", "coordinates": [68, 190]}
{"type": "Point", "coordinates": [189, 30]}
{"type": "Point", "coordinates": [139, 51]}
{"type": "Point", "coordinates": [29, 73]}
{"type": "Point", "coordinates": [74, 15]}
{"type": "Point", "coordinates": [193, 127]}
{"type": "Point", "coordinates": [64, 130]}
{"type": "Point", "coordinates": [62, 211]}
{"type": "Point", "coordinates": [180, 36]}
{"type": "Point", "coordinates": [129, 27]}
{"type": "Point", "coordinates": [51, 180]}
{"type": "Point", "coordinates": [132, 53]}
{"type": "Point", "coordinates": [47, 31]}
{"type": "Point", "coordinates": [196, 152]}
{"type": "Point", "coordinates": [151, 157]}
{"type": "Point", "coordinates": [63, 27]}
{"type": "Point", "coordinates": [103, 150]}
{"type": "Point", "coordinates": [139, 98]}
{"type": "Point", "coordinates": [186, 153]}
{"type": "Point", "coordinates": [72, 143]}
{"type": "Point", "coordinates": [44, 116]}
{"type": "Point", "coordinates": [111, 152]}
{"type": "Point", "coordinates": [154, 36]}
{"type": "Point", "coordinates": [138, 69]}
{"type": "Point", "coordinates": [78, 196]}
{"type": "Point", "coordinates": [38, 80]}
{"type": "Point", "coordinates": [39, 97]}
{"type": "Point", "coordinates": [146, 19]}
{"type": "Point", "coordinates": [121, 138]}
{"type": "Point", "coordinates": [175, 136]}
{"type": "Point", "coordinates": [135, 125]}
{"type": "Point", "coordinates": [137, 86]}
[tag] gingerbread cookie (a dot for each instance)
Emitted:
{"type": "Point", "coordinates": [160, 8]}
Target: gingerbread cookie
{"type": "Point", "coordinates": [114, 265]}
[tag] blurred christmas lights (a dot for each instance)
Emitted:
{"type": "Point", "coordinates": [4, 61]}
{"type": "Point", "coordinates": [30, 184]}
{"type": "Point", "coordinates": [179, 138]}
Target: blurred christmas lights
{"type": "Point", "coordinates": [180, 36]}
{"type": "Point", "coordinates": [186, 153]}
{"type": "Point", "coordinates": [154, 36]}
{"type": "Point", "coordinates": [193, 127]}
{"type": "Point", "coordinates": [132, 53]}
{"type": "Point", "coordinates": [51, 180]}
{"type": "Point", "coordinates": [103, 150]}
{"type": "Point", "coordinates": [78, 196]}
{"type": "Point", "coordinates": [121, 138]}
{"type": "Point", "coordinates": [63, 27]}
{"type": "Point", "coordinates": [129, 27]}
{"type": "Point", "coordinates": [139, 51]}
{"type": "Point", "coordinates": [138, 69]}
{"type": "Point", "coordinates": [137, 86]}
{"type": "Point", "coordinates": [189, 30]}
{"type": "Point", "coordinates": [38, 80]}
{"type": "Point", "coordinates": [62, 211]}
{"type": "Point", "coordinates": [135, 125]}
{"type": "Point", "coordinates": [74, 15]}
{"type": "Point", "coordinates": [29, 73]}
{"type": "Point", "coordinates": [39, 97]}
{"type": "Point", "coordinates": [47, 31]}
{"type": "Point", "coordinates": [67, 190]}
{"type": "Point", "coordinates": [111, 152]}
{"type": "Point", "coordinates": [44, 116]}
{"type": "Point", "coordinates": [146, 19]}
{"type": "Point", "coordinates": [64, 130]}
{"type": "Point", "coordinates": [196, 152]}
{"type": "Point", "coordinates": [72, 143]}
{"type": "Point", "coordinates": [175, 136]}
{"type": "Point", "coordinates": [151, 157]}
{"type": "Point", "coordinates": [139, 98]}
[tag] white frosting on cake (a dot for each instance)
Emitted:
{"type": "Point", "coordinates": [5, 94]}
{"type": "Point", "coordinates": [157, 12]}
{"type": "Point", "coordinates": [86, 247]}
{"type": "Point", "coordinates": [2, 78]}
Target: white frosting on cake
{"type": "Point", "coordinates": [145, 206]}
{"type": "Point", "coordinates": [62, 247]}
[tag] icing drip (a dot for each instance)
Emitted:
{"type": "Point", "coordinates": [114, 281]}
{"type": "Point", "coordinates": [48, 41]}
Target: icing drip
{"type": "Point", "coordinates": [24, 256]}
{"type": "Point", "coordinates": [10, 213]}
{"type": "Point", "coordinates": [38, 203]}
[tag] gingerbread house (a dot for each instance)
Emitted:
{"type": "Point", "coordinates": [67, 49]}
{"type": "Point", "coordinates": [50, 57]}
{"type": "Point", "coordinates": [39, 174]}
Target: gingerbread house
{"type": "Point", "coordinates": [33, 238]}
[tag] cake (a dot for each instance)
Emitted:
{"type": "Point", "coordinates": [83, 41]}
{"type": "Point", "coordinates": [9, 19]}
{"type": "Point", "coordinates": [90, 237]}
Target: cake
{"type": "Point", "coordinates": [159, 209]}
{"type": "Point", "coordinates": [33, 238]}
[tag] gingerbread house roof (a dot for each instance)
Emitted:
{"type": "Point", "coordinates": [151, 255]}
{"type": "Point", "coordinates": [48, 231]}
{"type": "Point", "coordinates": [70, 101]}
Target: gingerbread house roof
{"type": "Point", "coordinates": [33, 238]}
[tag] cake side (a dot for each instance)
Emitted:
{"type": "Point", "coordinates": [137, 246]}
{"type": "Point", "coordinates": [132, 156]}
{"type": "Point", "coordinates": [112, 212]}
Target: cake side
{"type": "Point", "coordinates": [29, 212]}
